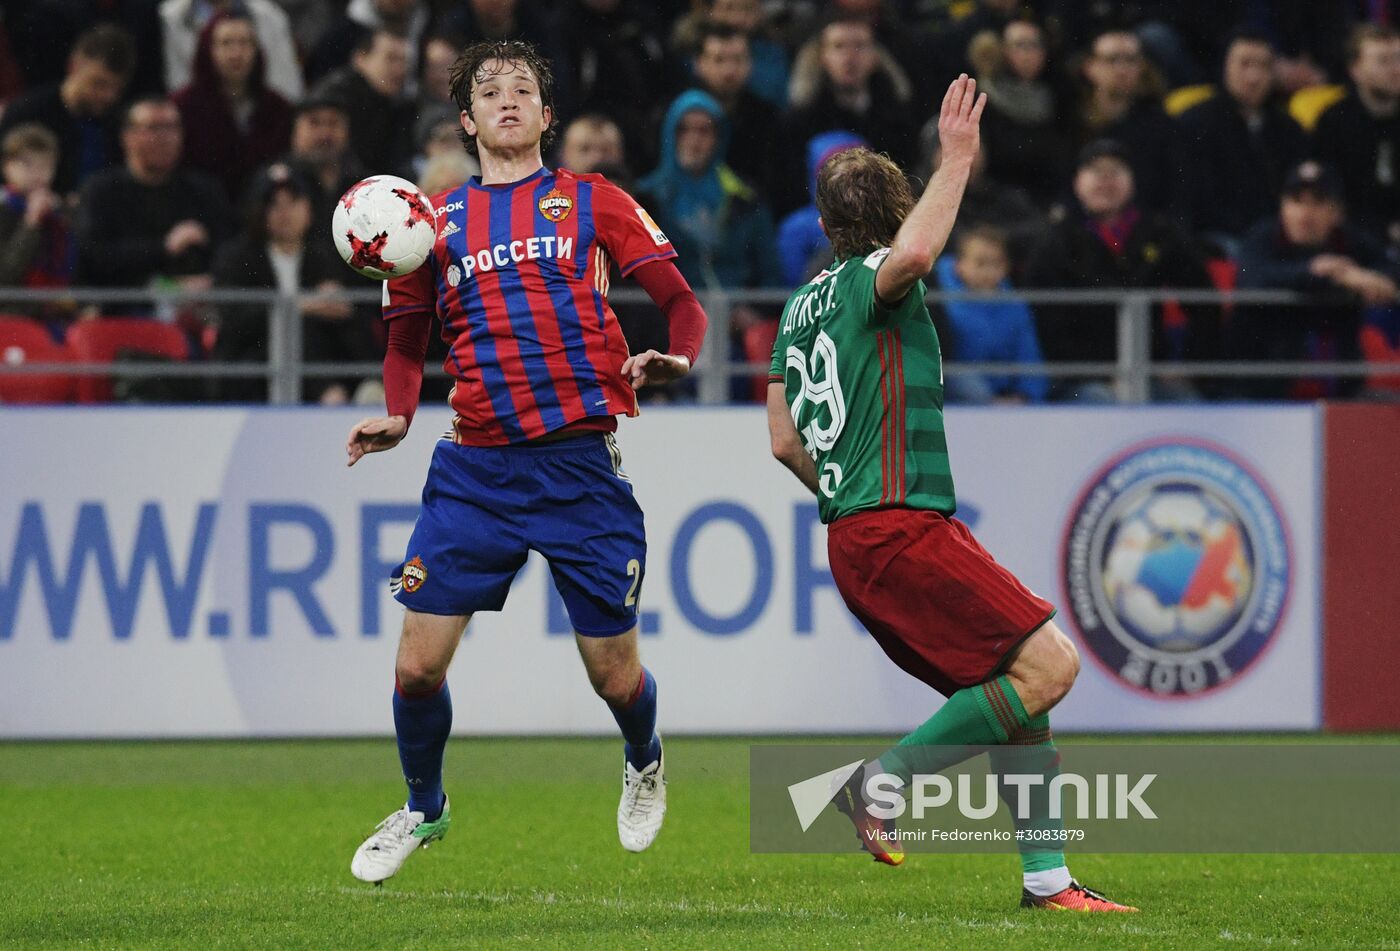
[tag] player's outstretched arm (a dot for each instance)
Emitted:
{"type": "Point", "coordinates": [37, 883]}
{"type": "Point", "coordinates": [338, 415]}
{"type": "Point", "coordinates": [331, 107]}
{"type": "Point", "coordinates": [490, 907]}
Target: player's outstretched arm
{"type": "Point", "coordinates": [670, 292]}
{"type": "Point", "coordinates": [374, 434]}
{"type": "Point", "coordinates": [786, 443]}
{"type": "Point", "coordinates": [924, 233]}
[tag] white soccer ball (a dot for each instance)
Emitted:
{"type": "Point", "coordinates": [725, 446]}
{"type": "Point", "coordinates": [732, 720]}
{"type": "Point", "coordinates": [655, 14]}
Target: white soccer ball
{"type": "Point", "coordinates": [384, 227]}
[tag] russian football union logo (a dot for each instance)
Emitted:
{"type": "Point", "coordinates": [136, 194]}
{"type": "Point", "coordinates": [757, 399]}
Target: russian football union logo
{"type": "Point", "coordinates": [1177, 567]}
{"type": "Point", "coordinates": [556, 205]}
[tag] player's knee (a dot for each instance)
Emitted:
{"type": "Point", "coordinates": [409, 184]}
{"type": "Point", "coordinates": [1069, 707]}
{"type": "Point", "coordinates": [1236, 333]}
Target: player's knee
{"type": "Point", "coordinates": [616, 685]}
{"type": "Point", "coordinates": [1063, 672]}
{"type": "Point", "coordinates": [418, 675]}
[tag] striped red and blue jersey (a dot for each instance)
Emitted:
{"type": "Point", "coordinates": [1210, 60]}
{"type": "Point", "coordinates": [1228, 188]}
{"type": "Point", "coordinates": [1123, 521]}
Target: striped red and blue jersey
{"type": "Point", "coordinates": [518, 278]}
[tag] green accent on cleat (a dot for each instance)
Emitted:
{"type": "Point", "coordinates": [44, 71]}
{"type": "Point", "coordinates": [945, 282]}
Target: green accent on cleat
{"type": "Point", "coordinates": [437, 829]}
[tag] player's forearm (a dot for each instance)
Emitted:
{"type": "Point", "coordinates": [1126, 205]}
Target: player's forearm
{"type": "Point", "coordinates": [802, 466]}
{"type": "Point", "coordinates": [685, 318]}
{"type": "Point", "coordinates": [925, 231]}
{"type": "Point", "coordinates": [403, 363]}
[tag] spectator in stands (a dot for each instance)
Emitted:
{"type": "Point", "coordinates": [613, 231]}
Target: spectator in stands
{"type": "Point", "coordinates": [803, 247]}
{"type": "Point", "coordinates": [950, 44]}
{"type": "Point", "coordinates": [434, 72]}
{"type": "Point", "coordinates": [1107, 241]}
{"type": "Point", "coordinates": [1175, 34]}
{"type": "Point", "coordinates": [310, 20]}
{"type": "Point", "coordinates": [233, 123]}
{"type": "Point", "coordinates": [843, 80]}
{"type": "Point", "coordinates": [1027, 144]}
{"type": "Point", "coordinates": [1310, 38]}
{"type": "Point", "coordinates": [974, 331]}
{"type": "Point", "coordinates": [477, 20]}
{"type": "Point", "coordinates": [1122, 103]}
{"type": "Point", "coordinates": [80, 110]}
{"type": "Point", "coordinates": [590, 143]}
{"type": "Point", "coordinates": [1360, 135]}
{"type": "Point", "coordinates": [446, 171]}
{"type": "Point", "coordinates": [408, 19]}
{"type": "Point", "coordinates": [1309, 247]}
{"type": "Point", "coordinates": [768, 77]}
{"type": "Point", "coordinates": [273, 252]}
{"type": "Point", "coordinates": [1239, 145]}
{"type": "Point", "coordinates": [183, 21]}
{"type": "Point", "coordinates": [151, 219]}
{"type": "Point", "coordinates": [1006, 208]}
{"type": "Point", "coordinates": [615, 63]}
{"type": "Point", "coordinates": [42, 33]}
{"type": "Point", "coordinates": [722, 232]}
{"type": "Point", "coordinates": [722, 69]}
{"type": "Point", "coordinates": [36, 244]}
{"type": "Point", "coordinates": [372, 88]}
{"type": "Point", "coordinates": [897, 30]}
{"type": "Point", "coordinates": [437, 132]}
{"type": "Point", "coordinates": [321, 155]}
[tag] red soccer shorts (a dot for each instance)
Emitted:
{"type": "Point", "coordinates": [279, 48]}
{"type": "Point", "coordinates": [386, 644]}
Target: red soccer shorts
{"type": "Point", "coordinates": [932, 597]}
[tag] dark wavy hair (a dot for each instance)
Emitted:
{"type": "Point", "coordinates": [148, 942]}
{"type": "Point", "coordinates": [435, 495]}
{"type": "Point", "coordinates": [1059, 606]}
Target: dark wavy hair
{"type": "Point", "coordinates": [863, 198]}
{"type": "Point", "coordinates": [474, 66]}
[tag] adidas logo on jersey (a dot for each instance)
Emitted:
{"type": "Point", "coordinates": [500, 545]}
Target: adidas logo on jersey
{"type": "Point", "coordinates": [451, 229]}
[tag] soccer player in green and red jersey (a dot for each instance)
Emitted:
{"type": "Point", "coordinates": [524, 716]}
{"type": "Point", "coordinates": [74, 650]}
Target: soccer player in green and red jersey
{"type": "Point", "coordinates": [855, 409]}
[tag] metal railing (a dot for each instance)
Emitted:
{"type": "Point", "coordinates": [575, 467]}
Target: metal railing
{"type": "Point", "coordinates": [286, 367]}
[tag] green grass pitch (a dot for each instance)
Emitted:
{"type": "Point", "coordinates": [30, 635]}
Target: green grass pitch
{"type": "Point", "coordinates": [223, 844]}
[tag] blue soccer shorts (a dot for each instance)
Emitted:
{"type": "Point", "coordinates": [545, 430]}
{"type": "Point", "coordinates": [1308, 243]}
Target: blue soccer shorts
{"type": "Point", "coordinates": [486, 508]}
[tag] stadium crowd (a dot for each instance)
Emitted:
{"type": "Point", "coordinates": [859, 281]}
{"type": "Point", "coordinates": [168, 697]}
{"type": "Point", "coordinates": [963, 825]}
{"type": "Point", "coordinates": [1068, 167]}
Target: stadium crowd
{"type": "Point", "coordinates": [1151, 144]}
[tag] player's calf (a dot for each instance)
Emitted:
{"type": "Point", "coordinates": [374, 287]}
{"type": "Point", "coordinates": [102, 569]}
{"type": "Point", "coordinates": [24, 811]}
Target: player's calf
{"type": "Point", "coordinates": [630, 691]}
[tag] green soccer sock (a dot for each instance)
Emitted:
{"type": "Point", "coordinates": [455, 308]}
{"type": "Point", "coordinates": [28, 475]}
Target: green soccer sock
{"type": "Point", "coordinates": [984, 715]}
{"type": "Point", "coordinates": [1031, 751]}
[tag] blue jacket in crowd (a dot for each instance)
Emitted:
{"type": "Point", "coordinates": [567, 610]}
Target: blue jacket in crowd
{"type": "Point", "coordinates": [993, 331]}
{"type": "Point", "coordinates": [722, 233]}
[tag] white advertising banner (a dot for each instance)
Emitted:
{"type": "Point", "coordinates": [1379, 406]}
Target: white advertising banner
{"type": "Point", "coordinates": [221, 572]}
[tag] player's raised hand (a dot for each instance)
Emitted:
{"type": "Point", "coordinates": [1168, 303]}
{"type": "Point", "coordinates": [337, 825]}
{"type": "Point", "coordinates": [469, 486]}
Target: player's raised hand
{"type": "Point", "coordinates": [959, 122]}
{"type": "Point", "coordinates": [374, 434]}
{"type": "Point", "coordinates": [641, 369]}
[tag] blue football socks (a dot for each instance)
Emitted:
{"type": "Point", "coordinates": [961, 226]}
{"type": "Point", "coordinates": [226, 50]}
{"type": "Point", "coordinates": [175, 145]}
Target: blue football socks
{"type": "Point", "coordinates": [637, 721]}
{"type": "Point", "coordinates": [422, 723]}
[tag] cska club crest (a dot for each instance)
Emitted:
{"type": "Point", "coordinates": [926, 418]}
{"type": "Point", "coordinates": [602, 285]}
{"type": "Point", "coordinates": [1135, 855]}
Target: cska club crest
{"type": "Point", "coordinates": [414, 574]}
{"type": "Point", "coordinates": [556, 205]}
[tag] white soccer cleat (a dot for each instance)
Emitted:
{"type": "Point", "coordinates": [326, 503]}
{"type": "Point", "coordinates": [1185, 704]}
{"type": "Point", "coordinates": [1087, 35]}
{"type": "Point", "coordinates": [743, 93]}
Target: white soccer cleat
{"type": "Point", "coordinates": [394, 840]}
{"type": "Point", "coordinates": [643, 805]}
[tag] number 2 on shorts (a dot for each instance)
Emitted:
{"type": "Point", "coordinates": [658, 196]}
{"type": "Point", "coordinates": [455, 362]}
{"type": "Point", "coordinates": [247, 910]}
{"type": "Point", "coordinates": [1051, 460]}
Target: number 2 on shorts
{"type": "Point", "coordinates": [634, 571]}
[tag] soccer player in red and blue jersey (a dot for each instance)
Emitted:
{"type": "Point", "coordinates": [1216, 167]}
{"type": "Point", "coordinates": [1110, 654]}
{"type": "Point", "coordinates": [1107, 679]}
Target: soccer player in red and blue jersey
{"type": "Point", "coordinates": [518, 280]}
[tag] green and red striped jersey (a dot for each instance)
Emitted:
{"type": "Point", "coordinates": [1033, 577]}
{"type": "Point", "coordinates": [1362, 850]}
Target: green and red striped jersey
{"type": "Point", "coordinates": [865, 387]}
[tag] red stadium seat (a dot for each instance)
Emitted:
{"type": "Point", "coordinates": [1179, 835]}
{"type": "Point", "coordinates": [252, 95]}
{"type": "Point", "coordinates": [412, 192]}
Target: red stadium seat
{"type": "Point", "coordinates": [23, 340]}
{"type": "Point", "coordinates": [99, 341]}
{"type": "Point", "coordinates": [1224, 275]}
{"type": "Point", "coordinates": [758, 348]}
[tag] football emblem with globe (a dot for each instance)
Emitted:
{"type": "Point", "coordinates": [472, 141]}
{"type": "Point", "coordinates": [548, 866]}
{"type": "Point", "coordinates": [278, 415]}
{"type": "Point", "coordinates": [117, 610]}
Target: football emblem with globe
{"type": "Point", "coordinates": [384, 227]}
{"type": "Point", "coordinates": [1177, 567]}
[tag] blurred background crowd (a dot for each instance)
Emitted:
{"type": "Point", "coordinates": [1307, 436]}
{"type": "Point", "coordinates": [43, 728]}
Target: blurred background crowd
{"type": "Point", "coordinates": [1154, 144]}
